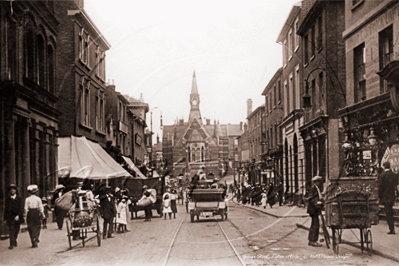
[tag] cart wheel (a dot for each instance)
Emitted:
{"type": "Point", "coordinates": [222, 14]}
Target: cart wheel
{"type": "Point", "coordinates": [69, 233]}
{"type": "Point", "coordinates": [98, 233]}
{"type": "Point", "coordinates": [192, 216]}
{"type": "Point", "coordinates": [369, 243]}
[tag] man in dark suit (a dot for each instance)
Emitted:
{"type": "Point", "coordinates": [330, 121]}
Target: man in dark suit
{"type": "Point", "coordinates": [108, 208]}
{"type": "Point", "coordinates": [314, 198]}
{"type": "Point", "coordinates": [387, 186]}
{"type": "Point", "coordinates": [14, 214]}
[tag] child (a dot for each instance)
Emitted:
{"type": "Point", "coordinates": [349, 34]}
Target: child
{"type": "Point", "coordinates": [167, 207]}
{"type": "Point", "coordinates": [264, 199]}
{"type": "Point", "coordinates": [121, 218]}
{"type": "Point", "coordinates": [46, 208]}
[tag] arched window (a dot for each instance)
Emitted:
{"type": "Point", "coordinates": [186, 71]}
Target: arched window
{"type": "Point", "coordinates": [29, 51]}
{"type": "Point", "coordinates": [189, 154]}
{"type": "Point", "coordinates": [51, 68]}
{"type": "Point", "coordinates": [42, 61]}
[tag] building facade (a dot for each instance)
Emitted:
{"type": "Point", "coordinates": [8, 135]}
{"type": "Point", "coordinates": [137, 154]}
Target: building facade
{"type": "Point", "coordinates": [272, 154]}
{"type": "Point", "coordinates": [369, 122]}
{"type": "Point", "coordinates": [29, 122]}
{"type": "Point", "coordinates": [291, 82]}
{"type": "Point", "coordinates": [193, 147]}
{"type": "Point", "coordinates": [323, 60]}
{"type": "Point", "coordinates": [81, 75]}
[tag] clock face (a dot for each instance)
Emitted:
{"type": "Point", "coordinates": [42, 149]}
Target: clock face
{"type": "Point", "coordinates": [195, 102]}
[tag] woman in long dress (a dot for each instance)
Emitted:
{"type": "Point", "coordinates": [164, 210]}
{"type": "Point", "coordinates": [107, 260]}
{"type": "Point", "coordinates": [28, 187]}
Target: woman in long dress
{"type": "Point", "coordinates": [167, 207]}
{"type": "Point", "coordinates": [173, 198]}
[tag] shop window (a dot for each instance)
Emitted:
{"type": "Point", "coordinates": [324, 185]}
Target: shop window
{"type": "Point", "coordinates": [385, 39]}
{"type": "Point", "coordinates": [360, 73]}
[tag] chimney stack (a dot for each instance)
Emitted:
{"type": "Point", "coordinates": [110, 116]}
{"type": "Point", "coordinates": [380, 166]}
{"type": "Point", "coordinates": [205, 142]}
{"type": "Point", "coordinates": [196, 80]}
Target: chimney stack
{"type": "Point", "coordinates": [249, 107]}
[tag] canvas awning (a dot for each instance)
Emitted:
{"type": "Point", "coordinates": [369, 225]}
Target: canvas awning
{"type": "Point", "coordinates": [134, 168]}
{"type": "Point", "coordinates": [81, 158]}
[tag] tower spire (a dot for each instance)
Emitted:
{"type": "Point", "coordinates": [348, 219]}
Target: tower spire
{"type": "Point", "coordinates": [194, 102]}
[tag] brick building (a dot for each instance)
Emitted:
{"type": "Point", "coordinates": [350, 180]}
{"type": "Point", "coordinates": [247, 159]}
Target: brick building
{"type": "Point", "coordinates": [292, 85]}
{"type": "Point", "coordinates": [203, 147]}
{"type": "Point", "coordinates": [323, 60]}
{"type": "Point", "coordinates": [29, 122]}
{"type": "Point", "coordinates": [81, 75]}
{"type": "Point", "coordinates": [370, 119]}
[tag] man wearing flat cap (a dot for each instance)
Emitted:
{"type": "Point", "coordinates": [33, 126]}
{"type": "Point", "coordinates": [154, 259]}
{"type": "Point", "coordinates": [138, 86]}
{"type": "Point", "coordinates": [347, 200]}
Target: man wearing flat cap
{"type": "Point", "coordinates": [314, 198]}
{"type": "Point", "coordinates": [13, 214]}
{"type": "Point", "coordinates": [34, 213]}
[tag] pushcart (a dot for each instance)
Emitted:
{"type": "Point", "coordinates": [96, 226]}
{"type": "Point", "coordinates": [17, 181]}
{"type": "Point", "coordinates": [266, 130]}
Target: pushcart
{"type": "Point", "coordinates": [82, 220]}
{"type": "Point", "coordinates": [352, 203]}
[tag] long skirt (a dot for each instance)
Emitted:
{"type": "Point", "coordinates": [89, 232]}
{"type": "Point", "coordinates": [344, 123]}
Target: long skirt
{"type": "Point", "coordinates": [34, 222]}
{"type": "Point", "coordinates": [173, 205]}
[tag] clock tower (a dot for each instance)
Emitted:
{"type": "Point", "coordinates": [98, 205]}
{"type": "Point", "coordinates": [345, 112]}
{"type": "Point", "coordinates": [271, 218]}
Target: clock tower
{"type": "Point", "coordinates": [194, 102]}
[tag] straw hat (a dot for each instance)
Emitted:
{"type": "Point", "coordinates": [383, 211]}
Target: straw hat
{"type": "Point", "coordinates": [57, 187]}
{"type": "Point", "coordinates": [33, 189]}
{"type": "Point", "coordinates": [317, 178]}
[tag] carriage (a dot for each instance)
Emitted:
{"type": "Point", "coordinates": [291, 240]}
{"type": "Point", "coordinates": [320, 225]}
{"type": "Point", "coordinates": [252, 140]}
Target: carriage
{"type": "Point", "coordinates": [352, 203]}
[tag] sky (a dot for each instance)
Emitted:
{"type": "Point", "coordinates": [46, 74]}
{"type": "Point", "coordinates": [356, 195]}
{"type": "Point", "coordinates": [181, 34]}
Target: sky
{"type": "Point", "coordinates": [156, 45]}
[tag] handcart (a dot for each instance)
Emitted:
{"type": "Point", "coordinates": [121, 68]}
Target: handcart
{"type": "Point", "coordinates": [82, 219]}
{"type": "Point", "coordinates": [352, 202]}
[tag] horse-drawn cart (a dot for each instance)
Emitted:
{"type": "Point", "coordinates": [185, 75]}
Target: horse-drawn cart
{"type": "Point", "coordinates": [82, 220]}
{"type": "Point", "coordinates": [352, 202]}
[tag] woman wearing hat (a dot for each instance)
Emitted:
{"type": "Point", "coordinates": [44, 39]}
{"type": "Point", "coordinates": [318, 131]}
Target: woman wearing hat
{"type": "Point", "coordinates": [34, 213]}
{"type": "Point", "coordinates": [14, 214]}
{"type": "Point", "coordinates": [314, 198]}
{"type": "Point", "coordinates": [59, 214]}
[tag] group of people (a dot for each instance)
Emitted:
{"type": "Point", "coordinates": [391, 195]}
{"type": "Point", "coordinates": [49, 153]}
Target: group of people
{"type": "Point", "coordinates": [259, 195]}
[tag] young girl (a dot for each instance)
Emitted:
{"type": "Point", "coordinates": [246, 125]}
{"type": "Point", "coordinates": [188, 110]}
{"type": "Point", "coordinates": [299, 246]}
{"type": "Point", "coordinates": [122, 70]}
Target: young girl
{"type": "Point", "coordinates": [264, 199]}
{"type": "Point", "coordinates": [167, 207]}
{"type": "Point", "coordinates": [46, 209]}
{"type": "Point", "coordinates": [121, 219]}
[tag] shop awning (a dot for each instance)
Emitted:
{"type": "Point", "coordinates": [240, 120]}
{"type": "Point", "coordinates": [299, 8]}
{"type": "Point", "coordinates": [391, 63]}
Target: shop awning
{"type": "Point", "coordinates": [82, 158]}
{"type": "Point", "coordinates": [134, 168]}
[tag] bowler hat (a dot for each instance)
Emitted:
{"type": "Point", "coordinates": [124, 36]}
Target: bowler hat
{"type": "Point", "coordinates": [33, 189]}
{"type": "Point", "coordinates": [12, 186]}
{"type": "Point", "coordinates": [57, 187]}
{"type": "Point", "coordinates": [44, 199]}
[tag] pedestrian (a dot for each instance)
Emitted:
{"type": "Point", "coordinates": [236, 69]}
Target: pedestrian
{"type": "Point", "coordinates": [59, 214]}
{"type": "Point", "coordinates": [271, 195]}
{"type": "Point", "coordinates": [46, 209]}
{"type": "Point", "coordinates": [121, 218]}
{"type": "Point", "coordinates": [34, 214]}
{"type": "Point", "coordinates": [280, 193]}
{"type": "Point", "coordinates": [387, 185]}
{"type": "Point", "coordinates": [149, 196]}
{"type": "Point", "coordinates": [13, 214]}
{"type": "Point", "coordinates": [173, 198]}
{"type": "Point", "coordinates": [167, 206]}
{"type": "Point", "coordinates": [107, 202]}
{"type": "Point", "coordinates": [315, 205]}
{"type": "Point", "coordinates": [264, 199]}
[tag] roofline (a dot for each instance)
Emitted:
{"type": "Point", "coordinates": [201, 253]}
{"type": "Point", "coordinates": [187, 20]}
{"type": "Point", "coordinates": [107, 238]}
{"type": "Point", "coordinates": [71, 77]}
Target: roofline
{"type": "Point", "coordinates": [88, 19]}
{"type": "Point", "coordinates": [276, 75]}
{"type": "Point", "coordinates": [256, 110]}
{"type": "Point", "coordinates": [296, 8]}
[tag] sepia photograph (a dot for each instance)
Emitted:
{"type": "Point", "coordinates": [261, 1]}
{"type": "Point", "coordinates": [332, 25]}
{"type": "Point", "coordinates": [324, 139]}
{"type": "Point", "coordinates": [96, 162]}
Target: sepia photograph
{"type": "Point", "coordinates": [186, 132]}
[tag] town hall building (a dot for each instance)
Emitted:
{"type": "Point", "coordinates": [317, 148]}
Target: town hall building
{"type": "Point", "coordinates": [194, 147]}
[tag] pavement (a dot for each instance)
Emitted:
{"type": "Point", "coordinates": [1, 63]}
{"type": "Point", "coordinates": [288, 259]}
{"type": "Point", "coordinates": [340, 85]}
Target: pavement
{"type": "Point", "coordinates": [383, 244]}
